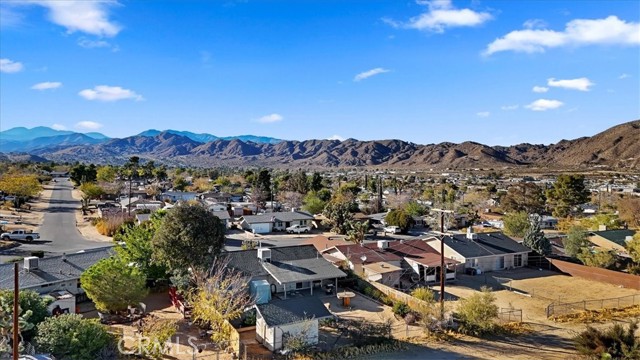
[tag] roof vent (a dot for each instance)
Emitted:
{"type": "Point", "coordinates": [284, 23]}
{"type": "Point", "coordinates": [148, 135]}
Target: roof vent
{"type": "Point", "coordinates": [470, 234]}
{"type": "Point", "coordinates": [383, 244]}
{"type": "Point", "coordinates": [602, 228]}
{"type": "Point", "coordinates": [31, 263]}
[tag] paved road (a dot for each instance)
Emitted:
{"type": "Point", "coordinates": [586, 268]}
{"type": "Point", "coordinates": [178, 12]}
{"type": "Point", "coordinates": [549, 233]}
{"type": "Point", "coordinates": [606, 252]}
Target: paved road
{"type": "Point", "coordinates": [58, 233]}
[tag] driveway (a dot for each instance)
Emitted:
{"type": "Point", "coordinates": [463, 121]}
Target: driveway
{"type": "Point", "coordinates": [58, 233]}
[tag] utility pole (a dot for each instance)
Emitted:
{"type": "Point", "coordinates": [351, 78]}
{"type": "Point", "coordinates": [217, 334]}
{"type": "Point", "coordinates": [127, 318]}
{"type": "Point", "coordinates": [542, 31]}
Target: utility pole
{"type": "Point", "coordinates": [442, 262]}
{"type": "Point", "coordinates": [16, 295]}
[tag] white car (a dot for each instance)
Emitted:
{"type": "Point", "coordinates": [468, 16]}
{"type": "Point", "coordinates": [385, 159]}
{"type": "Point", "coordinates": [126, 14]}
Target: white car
{"type": "Point", "coordinates": [393, 229]}
{"type": "Point", "coordinates": [298, 229]}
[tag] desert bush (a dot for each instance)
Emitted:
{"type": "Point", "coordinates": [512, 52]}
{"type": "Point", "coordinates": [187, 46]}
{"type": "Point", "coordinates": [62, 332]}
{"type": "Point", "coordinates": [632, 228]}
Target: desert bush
{"type": "Point", "coordinates": [401, 308]}
{"type": "Point", "coordinates": [424, 294]}
{"type": "Point", "coordinates": [478, 312]}
{"type": "Point", "coordinates": [615, 342]}
{"type": "Point", "coordinates": [69, 336]}
{"type": "Point", "coordinates": [157, 332]}
{"type": "Point", "coordinates": [111, 225]}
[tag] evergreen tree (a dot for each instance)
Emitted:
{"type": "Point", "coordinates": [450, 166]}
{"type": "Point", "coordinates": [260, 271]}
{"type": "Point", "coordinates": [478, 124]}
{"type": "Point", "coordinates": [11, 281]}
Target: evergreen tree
{"type": "Point", "coordinates": [534, 237]}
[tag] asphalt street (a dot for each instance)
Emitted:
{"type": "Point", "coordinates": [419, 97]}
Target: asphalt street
{"type": "Point", "coordinates": [58, 232]}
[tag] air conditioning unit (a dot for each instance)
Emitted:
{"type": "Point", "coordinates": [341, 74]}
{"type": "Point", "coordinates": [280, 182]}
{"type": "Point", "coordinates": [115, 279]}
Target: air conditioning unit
{"type": "Point", "coordinates": [383, 244]}
{"type": "Point", "coordinates": [264, 254]}
{"type": "Point", "coordinates": [31, 263]}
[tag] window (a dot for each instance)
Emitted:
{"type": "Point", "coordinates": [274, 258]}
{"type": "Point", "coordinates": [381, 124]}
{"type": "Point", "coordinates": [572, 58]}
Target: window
{"type": "Point", "coordinates": [517, 260]}
{"type": "Point", "coordinates": [299, 285]}
{"type": "Point", "coordinates": [500, 262]}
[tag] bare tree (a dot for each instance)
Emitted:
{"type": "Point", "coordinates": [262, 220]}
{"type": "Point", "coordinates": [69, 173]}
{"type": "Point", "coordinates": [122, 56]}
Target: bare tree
{"type": "Point", "coordinates": [220, 295]}
{"type": "Point", "coordinates": [291, 198]}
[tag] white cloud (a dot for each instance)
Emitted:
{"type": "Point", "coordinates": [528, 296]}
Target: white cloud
{"type": "Point", "coordinates": [92, 44]}
{"type": "Point", "coordinates": [534, 24]}
{"type": "Point", "coordinates": [10, 66]}
{"type": "Point", "coordinates": [271, 118]}
{"type": "Point", "coordinates": [89, 125]}
{"type": "Point", "coordinates": [540, 89]}
{"type": "Point", "coordinates": [441, 14]}
{"type": "Point", "coordinates": [579, 32]}
{"type": "Point", "coordinates": [581, 84]}
{"type": "Point", "coordinates": [109, 93]}
{"type": "Point", "coordinates": [336, 137]}
{"type": "Point", "coordinates": [544, 105]}
{"type": "Point", "coordinates": [370, 73]}
{"type": "Point", "coordinates": [90, 17]}
{"type": "Point", "coordinates": [46, 85]}
{"type": "Point", "coordinates": [623, 76]}
{"type": "Point", "coordinates": [58, 127]}
{"type": "Point", "coordinates": [483, 114]}
{"type": "Point", "coordinates": [509, 107]}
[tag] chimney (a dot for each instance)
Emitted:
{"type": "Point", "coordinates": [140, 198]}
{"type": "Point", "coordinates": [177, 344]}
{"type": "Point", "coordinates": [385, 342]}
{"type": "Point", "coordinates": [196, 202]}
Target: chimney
{"type": "Point", "coordinates": [264, 254]}
{"type": "Point", "coordinates": [383, 244]}
{"type": "Point", "coordinates": [470, 234]}
{"type": "Point", "coordinates": [602, 228]}
{"type": "Point", "coordinates": [31, 263]}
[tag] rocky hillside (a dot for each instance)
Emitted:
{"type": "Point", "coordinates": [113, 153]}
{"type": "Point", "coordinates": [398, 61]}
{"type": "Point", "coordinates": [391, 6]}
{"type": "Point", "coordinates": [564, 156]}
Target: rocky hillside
{"type": "Point", "coordinates": [617, 147]}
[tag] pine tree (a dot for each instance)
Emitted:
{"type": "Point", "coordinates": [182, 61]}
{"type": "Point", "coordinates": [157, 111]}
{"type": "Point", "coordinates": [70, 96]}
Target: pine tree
{"type": "Point", "coordinates": [534, 237]}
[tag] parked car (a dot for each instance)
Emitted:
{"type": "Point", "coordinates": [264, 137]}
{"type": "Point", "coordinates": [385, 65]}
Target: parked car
{"type": "Point", "coordinates": [298, 229]}
{"type": "Point", "coordinates": [19, 235]}
{"type": "Point", "coordinates": [393, 229]}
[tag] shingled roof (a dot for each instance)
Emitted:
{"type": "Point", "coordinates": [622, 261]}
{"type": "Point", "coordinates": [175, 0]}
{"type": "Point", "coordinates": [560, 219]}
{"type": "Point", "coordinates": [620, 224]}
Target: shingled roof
{"type": "Point", "coordinates": [281, 312]}
{"type": "Point", "coordinates": [484, 244]}
{"type": "Point", "coordinates": [54, 269]}
{"type": "Point", "coordinates": [247, 261]}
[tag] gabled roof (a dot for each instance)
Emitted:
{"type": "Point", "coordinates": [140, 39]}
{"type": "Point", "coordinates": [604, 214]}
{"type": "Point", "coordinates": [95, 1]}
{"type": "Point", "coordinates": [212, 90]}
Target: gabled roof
{"type": "Point", "coordinates": [53, 269]}
{"type": "Point", "coordinates": [247, 261]}
{"type": "Point", "coordinates": [485, 244]}
{"type": "Point", "coordinates": [282, 312]}
{"type": "Point", "coordinates": [285, 216]}
{"type": "Point", "coordinates": [222, 215]}
{"type": "Point", "coordinates": [322, 242]}
{"type": "Point", "coordinates": [615, 236]}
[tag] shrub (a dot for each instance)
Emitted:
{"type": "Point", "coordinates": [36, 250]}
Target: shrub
{"type": "Point", "coordinates": [111, 225]}
{"type": "Point", "coordinates": [401, 308]}
{"type": "Point", "coordinates": [156, 332]}
{"type": "Point", "coordinates": [69, 336]}
{"type": "Point", "coordinates": [424, 294]}
{"type": "Point", "coordinates": [29, 301]}
{"type": "Point", "coordinates": [612, 343]}
{"type": "Point", "coordinates": [477, 313]}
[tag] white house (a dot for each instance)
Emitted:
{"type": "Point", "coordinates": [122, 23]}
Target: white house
{"type": "Point", "coordinates": [278, 319]}
{"type": "Point", "coordinates": [485, 251]}
{"type": "Point", "coordinates": [276, 221]}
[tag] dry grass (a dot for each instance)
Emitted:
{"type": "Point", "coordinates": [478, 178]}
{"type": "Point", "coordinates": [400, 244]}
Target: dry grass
{"type": "Point", "coordinates": [599, 316]}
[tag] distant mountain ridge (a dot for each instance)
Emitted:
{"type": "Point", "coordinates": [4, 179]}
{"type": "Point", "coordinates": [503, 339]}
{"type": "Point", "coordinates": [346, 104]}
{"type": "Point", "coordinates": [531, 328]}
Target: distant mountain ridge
{"type": "Point", "coordinates": [205, 138]}
{"type": "Point", "coordinates": [617, 147]}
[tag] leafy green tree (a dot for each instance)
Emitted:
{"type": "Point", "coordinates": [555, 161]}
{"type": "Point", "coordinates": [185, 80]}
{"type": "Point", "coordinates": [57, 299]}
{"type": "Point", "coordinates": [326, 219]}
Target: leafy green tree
{"type": "Point", "coordinates": [413, 208]}
{"type": "Point", "coordinates": [90, 191]}
{"type": "Point", "coordinates": [113, 285]}
{"type": "Point", "coordinates": [188, 237]}
{"type": "Point", "coordinates": [527, 197]}
{"type": "Point", "coordinates": [338, 216]}
{"type": "Point", "coordinates": [534, 238]}
{"type": "Point", "coordinates": [629, 209]}
{"type": "Point", "coordinates": [568, 191]}
{"type": "Point", "coordinates": [31, 302]}
{"type": "Point", "coordinates": [312, 203]}
{"type": "Point", "coordinates": [633, 247]}
{"type": "Point", "coordinates": [516, 224]}
{"type": "Point", "coordinates": [602, 259]}
{"type": "Point", "coordinates": [69, 336]}
{"type": "Point", "coordinates": [611, 221]}
{"type": "Point", "coordinates": [614, 342]}
{"type": "Point", "coordinates": [21, 186]}
{"type": "Point", "coordinates": [316, 182]}
{"type": "Point", "coordinates": [399, 218]}
{"type": "Point", "coordinates": [478, 312]}
{"type": "Point", "coordinates": [180, 184]}
{"type": "Point", "coordinates": [106, 173]}
{"type": "Point", "coordinates": [83, 173]}
{"type": "Point", "coordinates": [138, 247]}
{"type": "Point", "coordinates": [324, 194]}
{"type": "Point", "coordinates": [263, 182]}
{"type": "Point", "coordinates": [576, 240]}
{"type": "Point", "coordinates": [298, 182]}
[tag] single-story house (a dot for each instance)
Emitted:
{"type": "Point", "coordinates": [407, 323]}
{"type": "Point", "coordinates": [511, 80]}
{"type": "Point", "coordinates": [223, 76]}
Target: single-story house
{"type": "Point", "coordinates": [140, 218]}
{"type": "Point", "coordinates": [548, 222]}
{"type": "Point", "coordinates": [287, 268]}
{"type": "Point", "coordinates": [277, 221]}
{"type": "Point", "coordinates": [279, 319]}
{"type": "Point", "coordinates": [485, 251]}
{"type": "Point", "coordinates": [52, 274]}
{"type": "Point", "coordinates": [612, 239]}
{"type": "Point", "coordinates": [174, 196]}
{"type": "Point", "coordinates": [224, 216]}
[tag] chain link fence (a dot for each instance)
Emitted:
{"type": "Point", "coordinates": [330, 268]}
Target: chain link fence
{"type": "Point", "coordinates": [556, 309]}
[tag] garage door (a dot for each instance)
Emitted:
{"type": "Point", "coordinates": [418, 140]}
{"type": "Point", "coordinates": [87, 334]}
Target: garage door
{"type": "Point", "coordinates": [261, 228]}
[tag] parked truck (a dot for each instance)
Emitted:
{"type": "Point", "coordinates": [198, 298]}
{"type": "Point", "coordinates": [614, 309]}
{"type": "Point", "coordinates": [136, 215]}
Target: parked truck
{"type": "Point", "coordinates": [298, 229]}
{"type": "Point", "coordinates": [19, 235]}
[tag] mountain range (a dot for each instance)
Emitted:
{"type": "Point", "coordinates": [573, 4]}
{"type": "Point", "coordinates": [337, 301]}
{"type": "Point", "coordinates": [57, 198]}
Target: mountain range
{"type": "Point", "coordinates": [617, 147]}
{"type": "Point", "coordinates": [21, 139]}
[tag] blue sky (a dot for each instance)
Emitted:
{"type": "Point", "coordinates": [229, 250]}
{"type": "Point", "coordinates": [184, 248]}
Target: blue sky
{"type": "Point", "coordinates": [496, 72]}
